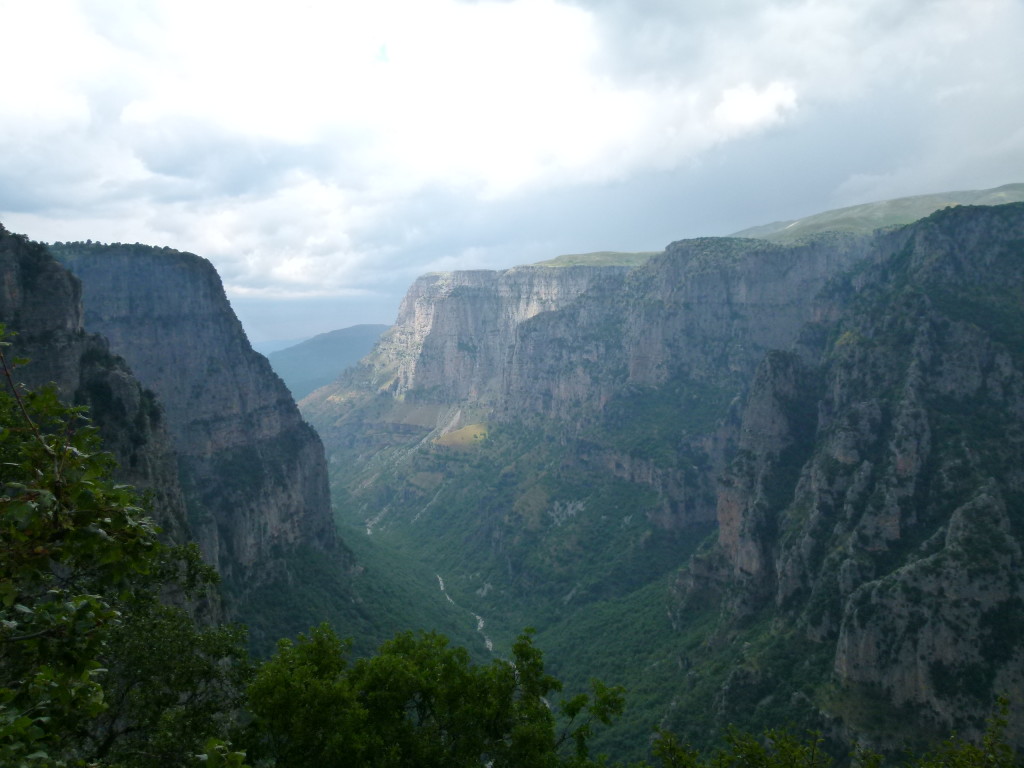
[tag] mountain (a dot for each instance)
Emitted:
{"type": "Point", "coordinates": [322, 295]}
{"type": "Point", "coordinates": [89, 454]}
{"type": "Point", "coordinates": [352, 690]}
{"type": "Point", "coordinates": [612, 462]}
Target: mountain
{"type": "Point", "coordinates": [265, 348]}
{"type": "Point", "coordinates": [320, 360]}
{"type": "Point", "coordinates": [755, 482]}
{"type": "Point", "coordinates": [887, 213]}
{"type": "Point", "coordinates": [253, 472]}
{"type": "Point", "coordinates": [599, 259]}
{"type": "Point", "coordinates": [869, 553]}
{"type": "Point", "coordinates": [40, 303]}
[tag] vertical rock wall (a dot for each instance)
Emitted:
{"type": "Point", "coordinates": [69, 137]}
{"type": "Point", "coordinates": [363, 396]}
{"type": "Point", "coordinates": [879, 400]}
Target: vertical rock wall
{"type": "Point", "coordinates": [253, 471]}
{"type": "Point", "coordinates": [40, 302]}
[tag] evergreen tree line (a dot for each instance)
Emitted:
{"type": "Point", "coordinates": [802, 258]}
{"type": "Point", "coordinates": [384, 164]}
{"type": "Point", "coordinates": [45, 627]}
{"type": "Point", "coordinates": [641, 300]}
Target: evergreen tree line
{"type": "Point", "coordinates": [102, 663]}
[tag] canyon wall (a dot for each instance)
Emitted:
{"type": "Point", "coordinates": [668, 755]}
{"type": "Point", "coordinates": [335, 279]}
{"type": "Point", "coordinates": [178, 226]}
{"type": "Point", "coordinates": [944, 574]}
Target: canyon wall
{"type": "Point", "coordinates": [252, 470]}
{"type": "Point", "coordinates": [40, 304]}
{"type": "Point", "coordinates": [845, 411]}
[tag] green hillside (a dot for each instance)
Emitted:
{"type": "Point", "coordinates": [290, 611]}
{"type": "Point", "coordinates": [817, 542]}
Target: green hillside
{"type": "Point", "coordinates": [599, 259]}
{"type": "Point", "coordinates": [318, 361]}
{"type": "Point", "coordinates": [887, 213]}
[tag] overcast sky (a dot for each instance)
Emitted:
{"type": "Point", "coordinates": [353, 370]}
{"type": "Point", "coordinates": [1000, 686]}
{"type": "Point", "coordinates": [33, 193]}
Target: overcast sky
{"type": "Point", "coordinates": [324, 154]}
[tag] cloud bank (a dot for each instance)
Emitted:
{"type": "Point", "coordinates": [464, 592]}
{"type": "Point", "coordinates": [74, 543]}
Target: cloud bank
{"type": "Point", "coordinates": [334, 151]}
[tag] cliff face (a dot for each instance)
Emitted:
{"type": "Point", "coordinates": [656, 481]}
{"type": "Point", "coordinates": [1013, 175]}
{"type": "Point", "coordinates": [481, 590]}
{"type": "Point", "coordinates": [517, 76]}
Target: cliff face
{"type": "Point", "coordinates": [40, 301]}
{"type": "Point", "coordinates": [638, 364]}
{"type": "Point", "coordinates": [875, 500]}
{"type": "Point", "coordinates": [253, 472]}
{"type": "Point", "coordinates": [450, 342]}
{"type": "Point", "coordinates": [705, 311]}
{"type": "Point", "coordinates": [846, 412]}
{"type": "Point", "coordinates": [444, 363]}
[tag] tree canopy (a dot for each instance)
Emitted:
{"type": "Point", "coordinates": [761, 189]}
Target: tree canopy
{"type": "Point", "coordinates": [95, 663]}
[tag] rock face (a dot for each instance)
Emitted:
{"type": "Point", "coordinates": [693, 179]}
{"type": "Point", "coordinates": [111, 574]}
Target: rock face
{"type": "Point", "coordinates": [875, 500]}
{"type": "Point", "coordinates": [40, 301]}
{"type": "Point", "coordinates": [445, 362]}
{"type": "Point", "coordinates": [706, 311]}
{"type": "Point", "coordinates": [450, 342]}
{"type": "Point", "coordinates": [252, 470]}
{"type": "Point", "coordinates": [584, 348]}
{"type": "Point", "coordinates": [847, 412]}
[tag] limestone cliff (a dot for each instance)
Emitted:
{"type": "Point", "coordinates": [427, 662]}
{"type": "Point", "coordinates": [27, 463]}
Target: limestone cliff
{"type": "Point", "coordinates": [450, 342]}
{"type": "Point", "coordinates": [705, 311]}
{"type": "Point", "coordinates": [639, 365]}
{"type": "Point", "coordinates": [444, 363]}
{"type": "Point", "coordinates": [846, 411]}
{"type": "Point", "coordinates": [252, 470]}
{"type": "Point", "coordinates": [874, 504]}
{"type": "Point", "coordinates": [40, 302]}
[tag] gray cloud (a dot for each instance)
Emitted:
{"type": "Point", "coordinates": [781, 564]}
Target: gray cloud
{"type": "Point", "coordinates": [326, 194]}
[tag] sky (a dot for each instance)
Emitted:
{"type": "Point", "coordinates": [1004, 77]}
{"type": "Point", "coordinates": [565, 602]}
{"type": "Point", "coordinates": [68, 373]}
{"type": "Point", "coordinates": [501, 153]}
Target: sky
{"type": "Point", "coordinates": [324, 154]}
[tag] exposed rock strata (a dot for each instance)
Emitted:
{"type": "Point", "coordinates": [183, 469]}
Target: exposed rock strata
{"type": "Point", "coordinates": [705, 311]}
{"type": "Point", "coordinates": [253, 471]}
{"type": "Point", "coordinates": [450, 342]}
{"type": "Point", "coordinates": [890, 533]}
{"type": "Point", "coordinates": [40, 301]}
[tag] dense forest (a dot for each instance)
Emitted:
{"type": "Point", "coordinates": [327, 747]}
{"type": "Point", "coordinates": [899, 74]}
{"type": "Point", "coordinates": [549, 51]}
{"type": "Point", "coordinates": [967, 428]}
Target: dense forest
{"type": "Point", "coordinates": [106, 658]}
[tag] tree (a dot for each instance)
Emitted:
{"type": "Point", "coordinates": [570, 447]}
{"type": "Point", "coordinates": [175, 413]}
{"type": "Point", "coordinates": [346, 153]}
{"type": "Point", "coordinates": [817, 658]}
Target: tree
{"type": "Point", "coordinates": [305, 707]}
{"type": "Point", "coordinates": [419, 702]}
{"type": "Point", "coordinates": [82, 574]}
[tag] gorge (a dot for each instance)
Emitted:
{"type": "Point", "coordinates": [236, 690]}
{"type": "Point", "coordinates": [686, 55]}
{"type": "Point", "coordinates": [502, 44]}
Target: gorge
{"type": "Point", "coordinates": [754, 481]}
{"type": "Point", "coordinates": [772, 477]}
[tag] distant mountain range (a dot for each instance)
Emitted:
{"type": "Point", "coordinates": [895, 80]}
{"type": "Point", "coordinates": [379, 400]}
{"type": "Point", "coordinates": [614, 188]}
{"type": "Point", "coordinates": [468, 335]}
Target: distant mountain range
{"type": "Point", "coordinates": [315, 362]}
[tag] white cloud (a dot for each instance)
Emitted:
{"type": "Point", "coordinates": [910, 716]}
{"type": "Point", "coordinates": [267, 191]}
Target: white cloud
{"type": "Point", "coordinates": [744, 108]}
{"type": "Point", "coordinates": [331, 146]}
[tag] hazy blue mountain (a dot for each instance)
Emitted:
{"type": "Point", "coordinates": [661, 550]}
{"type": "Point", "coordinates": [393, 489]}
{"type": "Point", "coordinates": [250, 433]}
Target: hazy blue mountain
{"type": "Point", "coordinates": [266, 347]}
{"type": "Point", "coordinates": [315, 362]}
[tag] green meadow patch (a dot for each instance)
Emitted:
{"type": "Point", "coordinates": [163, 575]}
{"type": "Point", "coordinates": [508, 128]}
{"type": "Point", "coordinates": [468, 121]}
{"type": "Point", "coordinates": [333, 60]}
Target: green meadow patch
{"type": "Point", "coordinates": [466, 437]}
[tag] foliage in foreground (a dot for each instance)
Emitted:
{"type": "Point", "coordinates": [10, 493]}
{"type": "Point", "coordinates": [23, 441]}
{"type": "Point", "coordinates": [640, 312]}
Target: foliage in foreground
{"type": "Point", "coordinates": [98, 669]}
{"type": "Point", "coordinates": [95, 666]}
{"type": "Point", "coordinates": [417, 702]}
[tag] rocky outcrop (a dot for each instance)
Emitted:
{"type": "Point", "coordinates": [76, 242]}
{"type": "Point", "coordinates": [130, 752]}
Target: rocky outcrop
{"type": "Point", "coordinates": [252, 470]}
{"type": "Point", "coordinates": [40, 302]}
{"type": "Point", "coordinates": [706, 311]}
{"type": "Point", "coordinates": [451, 341]}
{"type": "Point", "coordinates": [889, 537]}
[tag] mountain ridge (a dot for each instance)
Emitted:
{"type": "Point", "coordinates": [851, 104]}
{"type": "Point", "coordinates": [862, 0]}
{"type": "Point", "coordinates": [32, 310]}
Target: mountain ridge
{"type": "Point", "coordinates": [615, 415]}
{"type": "Point", "coordinates": [252, 471]}
{"type": "Point", "coordinates": [317, 361]}
{"type": "Point", "coordinates": [886, 213]}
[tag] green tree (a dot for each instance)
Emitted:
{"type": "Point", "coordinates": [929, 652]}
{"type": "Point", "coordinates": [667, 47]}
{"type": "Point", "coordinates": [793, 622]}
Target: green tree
{"type": "Point", "coordinates": [170, 685]}
{"type": "Point", "coordinates": [418, 701]}
{"type": "Point", "coordinates": [305, 707]}
{"type": "Point", "coordinates": [90, 659]}
{"type": "Point", "coordinates": [992, 752]}
{"type": "Point", "coordinates": [782, 749]}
